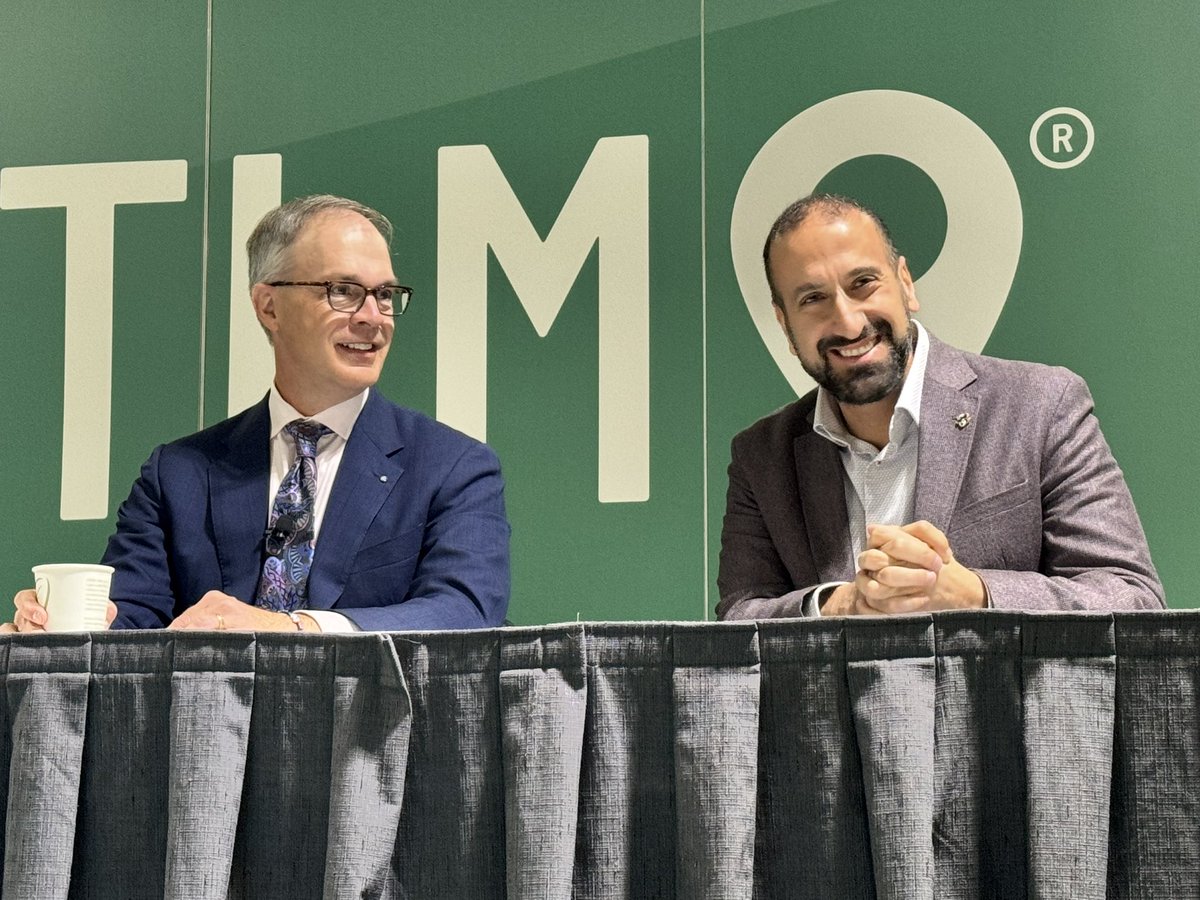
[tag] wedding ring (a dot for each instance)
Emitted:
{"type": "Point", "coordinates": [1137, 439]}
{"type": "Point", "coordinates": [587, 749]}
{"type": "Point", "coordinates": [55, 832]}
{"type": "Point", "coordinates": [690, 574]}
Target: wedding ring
{"type": "Point", "coordinates": [220, 622]}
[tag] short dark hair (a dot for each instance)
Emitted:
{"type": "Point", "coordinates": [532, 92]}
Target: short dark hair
{"type": "Point", "coordinates": [829, 205]}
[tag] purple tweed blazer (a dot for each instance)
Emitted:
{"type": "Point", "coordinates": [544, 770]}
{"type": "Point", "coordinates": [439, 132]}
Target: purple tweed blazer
{"type": "Point", "coordinates": [1028, 495]}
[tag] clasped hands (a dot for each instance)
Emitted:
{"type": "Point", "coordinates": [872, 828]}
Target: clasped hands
{"type": "Point", "coordinates": [214, 611]}
{"type": "Point", "coordinates": [906, 569]}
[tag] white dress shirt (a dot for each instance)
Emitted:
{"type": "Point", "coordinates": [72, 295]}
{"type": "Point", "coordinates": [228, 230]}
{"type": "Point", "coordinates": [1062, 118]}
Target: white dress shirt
{"type": "Point", "coordinates": [340, 421]}
{"type": "Point", "coordinates": [880, 485]}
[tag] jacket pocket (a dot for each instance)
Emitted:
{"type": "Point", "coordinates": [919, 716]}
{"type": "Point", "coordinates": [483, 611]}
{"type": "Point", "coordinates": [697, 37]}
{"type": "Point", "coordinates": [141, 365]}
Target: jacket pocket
{"type": "Point", "coordinates": [993, 505]}
{"type": "Point", "coordinates": [391, 551]}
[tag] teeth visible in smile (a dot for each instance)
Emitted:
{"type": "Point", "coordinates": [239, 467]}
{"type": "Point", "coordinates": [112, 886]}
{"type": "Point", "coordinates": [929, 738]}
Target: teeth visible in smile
{"type": "Point", "coordinates": [852, 352]}
{"type": "Point", "coordinates": [357, 346]}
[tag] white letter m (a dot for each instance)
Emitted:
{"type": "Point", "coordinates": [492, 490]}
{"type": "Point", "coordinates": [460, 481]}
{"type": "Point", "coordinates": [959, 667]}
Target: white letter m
{"type": "Point", "coordinates": [610, 204]}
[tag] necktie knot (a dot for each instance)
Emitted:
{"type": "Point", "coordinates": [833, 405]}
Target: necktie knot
{"type": "Point", "coordinates": [306, 433]}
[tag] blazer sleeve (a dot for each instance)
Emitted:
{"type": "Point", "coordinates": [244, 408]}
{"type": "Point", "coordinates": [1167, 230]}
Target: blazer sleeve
{"type": "Point", "coordinates": [137, 550]}
{"type": "Point", "coordinates": [1093, 550]}
{"type": "Point", "coordinates": [461, 579]}
{"type": "Point", "coordinates": [752, 579]}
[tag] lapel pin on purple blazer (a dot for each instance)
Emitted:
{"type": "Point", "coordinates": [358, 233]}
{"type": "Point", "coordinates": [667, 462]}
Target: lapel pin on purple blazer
{"type": "Point", "coordinates": [962, 420]}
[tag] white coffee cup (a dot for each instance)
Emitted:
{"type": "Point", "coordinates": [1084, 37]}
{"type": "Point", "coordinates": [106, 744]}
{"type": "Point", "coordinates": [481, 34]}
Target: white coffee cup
{"type": "Point", "coordinates": [74, 594]}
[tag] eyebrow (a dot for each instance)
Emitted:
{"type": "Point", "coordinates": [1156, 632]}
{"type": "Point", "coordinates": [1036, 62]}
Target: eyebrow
{"type": "Point", "coordinates": [864, 270]}
{"type": "Point", "coordinates": [356, 280]}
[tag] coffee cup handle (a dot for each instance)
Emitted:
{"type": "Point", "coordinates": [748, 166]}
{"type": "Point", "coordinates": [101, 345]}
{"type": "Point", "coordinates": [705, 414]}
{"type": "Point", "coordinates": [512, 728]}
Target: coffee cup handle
{"type": "Point", "coordinates": [41, 587]}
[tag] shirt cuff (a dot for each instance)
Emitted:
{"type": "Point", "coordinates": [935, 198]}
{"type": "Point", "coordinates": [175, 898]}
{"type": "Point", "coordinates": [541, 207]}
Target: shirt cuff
{"type": "Point", "coordinates": [811, 605]}
{"type": "Point", "coordinates": [987, 595]}
{"type": "Point", "coordinates": [330, 621]}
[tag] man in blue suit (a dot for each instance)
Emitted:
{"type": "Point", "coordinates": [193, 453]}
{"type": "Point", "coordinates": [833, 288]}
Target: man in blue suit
{"type": "Point", "coordinates": [406, 515]}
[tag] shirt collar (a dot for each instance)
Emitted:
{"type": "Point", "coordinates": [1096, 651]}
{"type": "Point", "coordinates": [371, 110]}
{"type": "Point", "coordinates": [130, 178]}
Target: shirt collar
{"type": "Point", "coordinates": [827, 420]}
{"type": "Point", "coordinates": [339, 418]}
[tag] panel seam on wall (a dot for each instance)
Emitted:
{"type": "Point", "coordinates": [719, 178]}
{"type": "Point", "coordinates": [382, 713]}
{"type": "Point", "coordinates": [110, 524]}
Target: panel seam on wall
{"type": "Point", "coordinates": [704, 313]}
{"type": "Point", "coordinates": [207, 164]}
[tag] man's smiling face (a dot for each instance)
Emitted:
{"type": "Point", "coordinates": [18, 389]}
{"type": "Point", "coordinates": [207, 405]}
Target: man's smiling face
{"type": "Point", "coordinates": [322, 356]}
{"type": "Point", "coordinates": [845, 304]}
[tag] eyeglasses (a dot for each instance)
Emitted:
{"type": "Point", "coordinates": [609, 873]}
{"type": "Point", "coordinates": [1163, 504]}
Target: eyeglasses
{"type": "Point", "coordinates": [349, 296]}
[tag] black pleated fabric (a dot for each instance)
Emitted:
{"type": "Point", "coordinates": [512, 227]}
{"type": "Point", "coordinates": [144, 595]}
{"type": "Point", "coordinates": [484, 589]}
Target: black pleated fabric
{"type": "Point", "coordinates": [955, 756]}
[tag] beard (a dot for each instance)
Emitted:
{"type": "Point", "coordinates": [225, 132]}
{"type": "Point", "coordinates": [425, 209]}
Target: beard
{"type": "Point", "coordinates": [863, 384]}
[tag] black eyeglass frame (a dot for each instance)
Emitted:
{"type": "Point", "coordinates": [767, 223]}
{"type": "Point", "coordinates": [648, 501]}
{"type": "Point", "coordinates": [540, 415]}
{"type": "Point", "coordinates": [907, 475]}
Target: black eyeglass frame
{"type": "Point", "coordinates": [398, 308]}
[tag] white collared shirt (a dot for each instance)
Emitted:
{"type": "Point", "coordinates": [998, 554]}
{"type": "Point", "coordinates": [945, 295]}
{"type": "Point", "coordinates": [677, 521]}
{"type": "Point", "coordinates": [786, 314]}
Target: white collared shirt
{"type": "Point", "coordinates": [340, 421]}
{"type": "Point", "coordinates": [880, 485]}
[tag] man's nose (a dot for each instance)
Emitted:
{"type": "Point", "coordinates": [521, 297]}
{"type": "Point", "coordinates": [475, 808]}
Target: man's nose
{"type": "Point", "coordinates": [368, 313]}
{"type": "Point", "coordinates": [848, 318]}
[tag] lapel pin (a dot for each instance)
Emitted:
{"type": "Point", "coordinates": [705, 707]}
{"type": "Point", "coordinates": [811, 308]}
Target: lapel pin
{"type": "Point", "coordinates": [383, 478]}
{"type": "Point", "coordinates": [962, 420]}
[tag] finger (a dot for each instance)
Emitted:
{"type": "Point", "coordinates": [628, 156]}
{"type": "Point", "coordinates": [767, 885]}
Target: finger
{"type": "Point", "coordinates": [892, 606]}
{"type": "Point", "coordinates": [933, 537]}
{"type": "Point", "coordinates": [8, 628]}
{"type": "Point", "coordinates": [23, 622]}
{"type": "Point", "coordinates": [906, 578]}
{"type": "Point", "coordinates": [878, 535]}
{"type": "Point", "coordinates": [876, 592]}
{"type": "Point", "coordinates": [110, 613]}
{"type": "Point", "coordinates": [873, 560]}
{"type": "Point", "coordinates": [877, 598]}
{"type": "Point", "coordinates": [29, 611]}
{"type": "Point", "coordinates": [905, 548]}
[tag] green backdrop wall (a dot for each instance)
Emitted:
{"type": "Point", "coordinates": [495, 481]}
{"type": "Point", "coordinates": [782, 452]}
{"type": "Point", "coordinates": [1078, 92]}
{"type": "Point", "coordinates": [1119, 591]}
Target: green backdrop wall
{"type": "Point", "coordinates": [575, 187]}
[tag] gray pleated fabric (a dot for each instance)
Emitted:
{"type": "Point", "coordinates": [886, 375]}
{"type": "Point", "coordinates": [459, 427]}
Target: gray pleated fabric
{"type": "Point", "coordinates": [452, 824]}
{"type": "Point", "coordinates": [891, 674]}
{"type": "Point", "coordinates": [1155, 836]}
{"type": "Point", "coordinates": [960, 755]}
{"type": "Point", "coordinates": [979, 768]}
{"type": "Point", "coordinates": [812, 837]}
{"type": "Point", "coordinates": [125, 785]}
{"type": "Point", "coordinates": [625, 844]}
{"type": "Point", "coordinates": [212, 694]}
{"type": "Point", "coordinates": [1069, 672]}
{"type": "Point", "coordinates": [543, 692]}
{"type": "Point", "coordinates": [715, 695]}
{"type": "Point", "coordinates": [280, 847]}
{"type": "Point", "coordinates": [47, 693]}
{"type": "Point", "coordinates": [372, 725]}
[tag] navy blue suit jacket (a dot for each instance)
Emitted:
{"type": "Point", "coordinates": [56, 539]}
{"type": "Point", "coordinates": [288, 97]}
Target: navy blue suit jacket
{"type": "Point", "coordinates": [414, 537]}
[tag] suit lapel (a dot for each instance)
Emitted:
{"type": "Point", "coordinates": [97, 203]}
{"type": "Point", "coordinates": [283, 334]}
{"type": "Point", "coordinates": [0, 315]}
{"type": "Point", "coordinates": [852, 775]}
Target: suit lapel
{"type": "Point", "coordinates": [819, 477]}
{"type": "Point", "coordinates": [370, 470]}
{"type": "Point", "coordinates": [948, 414]}
{"type": "Point", "coordinates": [238, 484]}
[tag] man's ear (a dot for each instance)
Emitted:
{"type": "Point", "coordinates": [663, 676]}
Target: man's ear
{"type": "Point", "coordinates": [911, 303]}
{"type": "Point", "coordinates": [263, 298]}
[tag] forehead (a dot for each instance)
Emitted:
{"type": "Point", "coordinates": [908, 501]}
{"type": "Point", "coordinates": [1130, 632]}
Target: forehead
{"type": "Point", "coordinates": [848, 239]}
{"type": "Point", "coordinates": [340, 239]}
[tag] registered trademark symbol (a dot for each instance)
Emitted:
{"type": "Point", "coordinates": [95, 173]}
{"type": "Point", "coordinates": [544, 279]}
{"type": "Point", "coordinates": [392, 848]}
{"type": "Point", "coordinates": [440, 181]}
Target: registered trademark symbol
{"type": "Point", "coordinates": [1061, 144]}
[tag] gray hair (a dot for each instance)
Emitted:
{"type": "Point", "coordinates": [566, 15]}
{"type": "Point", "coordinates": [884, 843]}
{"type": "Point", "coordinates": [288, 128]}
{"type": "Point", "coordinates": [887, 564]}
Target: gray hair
{"type": "Point", "coordinates": [272, 238]}
{"type": "Point", "coordinates": [829, 205]}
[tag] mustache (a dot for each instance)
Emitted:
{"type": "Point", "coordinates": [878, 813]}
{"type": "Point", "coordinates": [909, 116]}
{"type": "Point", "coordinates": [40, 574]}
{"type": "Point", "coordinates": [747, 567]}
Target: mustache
{"type": "Point", "coordinates": [871, 329]}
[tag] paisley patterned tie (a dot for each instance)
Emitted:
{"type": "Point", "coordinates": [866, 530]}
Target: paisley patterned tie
{"type": "Point", "coordinates": [289, 541]}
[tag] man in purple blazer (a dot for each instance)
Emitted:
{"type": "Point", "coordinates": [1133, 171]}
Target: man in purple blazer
{"type": "Point", "coordinates": [403, 517]}
{"type": "Point", "coordinates": [916, 477]}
